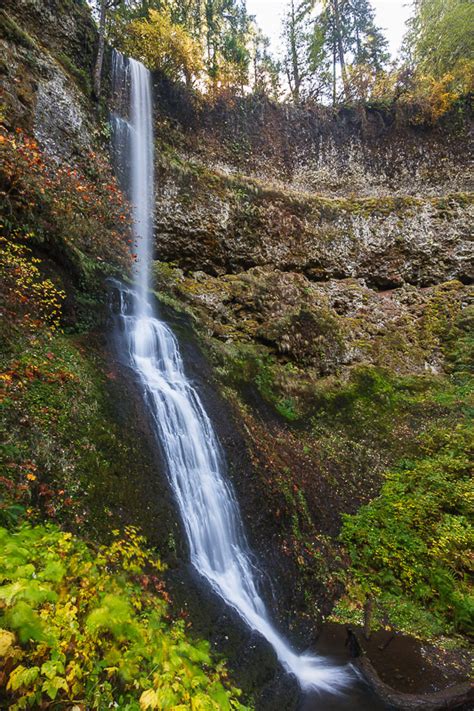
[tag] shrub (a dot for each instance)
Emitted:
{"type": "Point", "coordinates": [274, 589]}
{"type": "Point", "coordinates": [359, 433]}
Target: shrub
{"type": "Point", "coordinates": [414, 541]}
{"type": "Point", "coordinates": [74, 215]}
{"type": "Point", "coordinates": [91, 628]}
{"type": "Point", "coordinates": [25, 289]}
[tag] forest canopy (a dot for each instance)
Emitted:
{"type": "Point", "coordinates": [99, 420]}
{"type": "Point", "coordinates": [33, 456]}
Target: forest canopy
{"type": "Point", "coordinates": [332, 51]}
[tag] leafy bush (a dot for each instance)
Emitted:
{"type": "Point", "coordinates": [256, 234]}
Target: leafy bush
{"type": "Point", "coordinates": [91, 629]}
{"type": "Point", "coordinates": [25, 289]}
{"type": "Point", "coordinates": [77, 216]}
{"type": "Point", "coordinates": [414, 541]}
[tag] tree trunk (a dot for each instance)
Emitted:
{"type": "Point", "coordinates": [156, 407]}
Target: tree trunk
{"type": "Point", "coordinates": [100, 51]}
{"type": "Point", "coordinates": [294, 57]}
{"type": "Point", "coordinates": [368, 610]}
{"type": "Point", "coordinates": [340, 48]}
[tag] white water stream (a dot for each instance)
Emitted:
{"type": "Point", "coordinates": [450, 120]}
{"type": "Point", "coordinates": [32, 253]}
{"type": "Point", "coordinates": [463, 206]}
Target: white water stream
{"type": "Point", "coordinates": [196, 467]}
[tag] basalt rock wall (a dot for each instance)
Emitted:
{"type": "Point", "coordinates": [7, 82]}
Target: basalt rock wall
{"type": "Point", "coordinates": [333, 195]}
{"type": "Point", "coordinates": [48, 54]}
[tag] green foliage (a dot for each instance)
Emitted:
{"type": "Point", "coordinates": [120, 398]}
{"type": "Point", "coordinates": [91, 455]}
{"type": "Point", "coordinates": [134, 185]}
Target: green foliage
{"type": "Point", "coordinates": [369, 393]}
{"type": "Point", "coordinates": [24, 285]}
{"type": "Point", "coordinates": [438, 68]}
{"type": "Point", "coordinates": [244, 364]}
{"type": "Point", "coordinates": [80, 75]}
{"type": "Point", "coordinates": [164, 45]}
{"type": "Point", "coordinates": [414, 540]}
{"type": "Point", "coordinates": [459, 347]}
{"type": "Point", "coordinates": [210, 45]}
{"type": "Point", "coordinates": [340, 53]}
{"type": "Point", "coordinates": [441, 43]}
{"type": "Point", "coordinates": [87, 626]}
{"type": "Point", "coordinates": [64, 447]}
{"type": "Point", "coordinates": [341, 33]}
{"type": "Point", "coordinates": [300, 48]}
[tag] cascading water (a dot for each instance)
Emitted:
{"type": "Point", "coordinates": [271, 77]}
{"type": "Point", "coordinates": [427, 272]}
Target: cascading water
{"type": "Point", "coordinates": [196, 467]}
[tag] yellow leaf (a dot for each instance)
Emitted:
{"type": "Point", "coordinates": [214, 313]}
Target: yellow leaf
{"type": "Point", "coordinates": [149, 699]}
{"type": "Point", "coordinates": [7, 640]}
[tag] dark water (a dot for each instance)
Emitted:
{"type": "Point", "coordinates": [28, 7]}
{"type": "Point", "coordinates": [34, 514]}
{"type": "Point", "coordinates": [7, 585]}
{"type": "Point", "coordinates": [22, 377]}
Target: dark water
{"type": "Point", "coordinates": [358, 698]}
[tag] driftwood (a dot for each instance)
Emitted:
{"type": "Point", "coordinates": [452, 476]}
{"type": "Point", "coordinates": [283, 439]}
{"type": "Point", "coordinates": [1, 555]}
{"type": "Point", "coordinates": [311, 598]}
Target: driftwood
{"type": "Point", "coordinates": [459, 696]}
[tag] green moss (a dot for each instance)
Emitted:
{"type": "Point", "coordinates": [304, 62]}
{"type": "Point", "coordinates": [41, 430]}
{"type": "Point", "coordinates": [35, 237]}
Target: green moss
{"type": "Point", "coordinates": [402, 613]}
{"type": "Point", "coordinates": [439, 321]}
{"type": "Point", "coordinates": [64, 429]}
{"type": "Point", "coordinates": [369, 392]}
{"type": "Point", "coordinates": [80, 76]}
{"type": "Point", "coordinates": [14, 33]}
{"type": "Point", "coordinates": [245, 364]}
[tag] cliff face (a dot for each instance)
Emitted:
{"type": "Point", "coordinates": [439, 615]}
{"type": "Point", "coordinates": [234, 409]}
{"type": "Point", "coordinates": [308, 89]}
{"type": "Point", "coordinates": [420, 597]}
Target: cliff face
{"type": "Point", "coordinates": [281, 211]}
{"type": "Point", "coordinates": [364, 151]}
{"type": "Point", "coordinates": [329, 195]}
{"type": "Point", "coordinates": [237, 223]}
{"type": "Point", "coordinates": [47, 56]}
{"type": "Point", "coordinates": [325, 259]}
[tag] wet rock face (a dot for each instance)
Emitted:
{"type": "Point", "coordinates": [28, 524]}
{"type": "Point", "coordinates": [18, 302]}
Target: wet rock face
{"type": "Point", "coordinates": [65, 27]}
{"type": "Point", "coordinates": [378, 160]}
{"type": "Point", "coordinates": [45, 75]}
{"type": "Point", "coordinates": [219, 225]}
{"type": "Point", "coordinates": [61, 123]}
{"type": "Point", "coordinates": [333, 195]}
{"type": "Point", "coordinates": [316, 149]}
{"type": "Point", "coordinates": [321, 328]}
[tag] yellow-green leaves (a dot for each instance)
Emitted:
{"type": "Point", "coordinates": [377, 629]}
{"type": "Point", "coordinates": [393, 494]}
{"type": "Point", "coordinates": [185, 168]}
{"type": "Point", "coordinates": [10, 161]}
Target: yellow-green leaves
{"type": "Point", "coordinates": [413, 543]}
{"type": "Point", "coordinates": [26, 622]}
{"type": "Point", "coordinates": [22, 677]}
{"type": "Point", "coordinates": [149, 699]}
{"type": "Point", "coordinates": [164, 45]}
{"type": "Point", "coordinates": [115, 616]}
{"type": "Point", "coordinates": [7, 640]}
{"type": "Point", "coordinates": [77, 623]}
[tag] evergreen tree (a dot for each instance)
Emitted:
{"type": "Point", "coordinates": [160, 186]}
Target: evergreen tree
{"type": "Point", "coordinates": [367, 43]}
{"type": "Point", "coordinates": [296, 40]}
{"type": "Point", "coordinates": [440, 40]}
{"type": "Point", "coordinates": [221, 29]}
{"type": "Point", "coordinates": [344, 36]}
{"type": "Point", "coordinates": [265, 70]}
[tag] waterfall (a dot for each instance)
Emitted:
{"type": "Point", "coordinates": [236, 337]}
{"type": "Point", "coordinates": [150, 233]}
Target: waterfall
{"type": "Point", "coordinates": [195, 464]}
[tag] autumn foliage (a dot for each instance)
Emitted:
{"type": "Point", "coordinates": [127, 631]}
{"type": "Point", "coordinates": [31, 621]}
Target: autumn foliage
{"type": "Point", "coordinates": [83, 213]}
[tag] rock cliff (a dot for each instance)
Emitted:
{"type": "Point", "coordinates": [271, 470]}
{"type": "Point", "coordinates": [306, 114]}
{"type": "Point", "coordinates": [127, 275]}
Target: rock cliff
{"type": "Point", "coordinates": [325, 259]}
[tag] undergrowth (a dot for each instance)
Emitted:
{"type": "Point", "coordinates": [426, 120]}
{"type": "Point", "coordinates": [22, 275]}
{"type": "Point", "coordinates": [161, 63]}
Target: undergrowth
{"type": "Point", "coordinates": [411, 546]}
{"type": "Point", "coordinates": [89, 628]}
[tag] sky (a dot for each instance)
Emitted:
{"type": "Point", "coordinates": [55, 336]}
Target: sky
{"type": "Point", "coordinates": [391, 16]}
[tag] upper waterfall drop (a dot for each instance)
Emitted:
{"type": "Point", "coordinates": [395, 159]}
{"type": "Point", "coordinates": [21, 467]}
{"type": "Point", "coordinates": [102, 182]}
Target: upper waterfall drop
{"type": "Point", "coordinates": [196, 466]}
{"type": "Point", "coordinates": [142, 178]}
{"type": "Point", "coordinates": [134, 146]}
